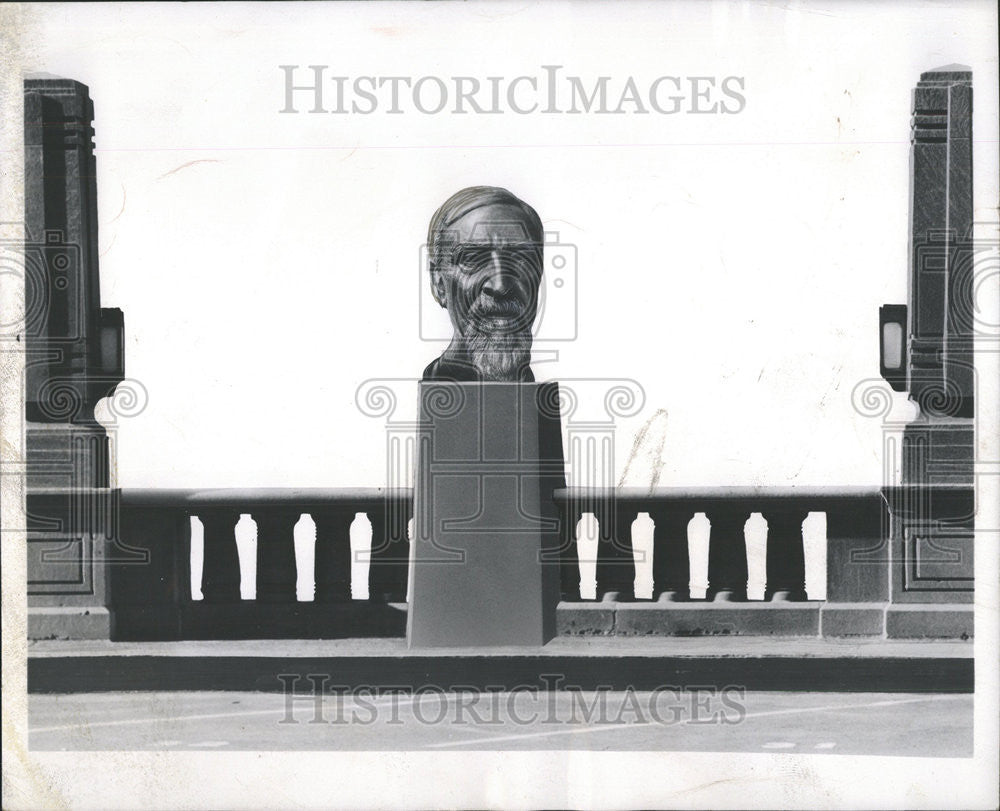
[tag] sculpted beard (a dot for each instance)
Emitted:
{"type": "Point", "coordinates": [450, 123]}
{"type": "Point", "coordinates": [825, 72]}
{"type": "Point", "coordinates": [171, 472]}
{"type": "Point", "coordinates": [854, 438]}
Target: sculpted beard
{"type": "Point", "coordinates": [499, 353]}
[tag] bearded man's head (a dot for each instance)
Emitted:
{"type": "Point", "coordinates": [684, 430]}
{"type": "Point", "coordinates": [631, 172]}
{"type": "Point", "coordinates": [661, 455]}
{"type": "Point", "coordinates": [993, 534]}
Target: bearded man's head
{"type": "Point", "coordinates": [485, 250]}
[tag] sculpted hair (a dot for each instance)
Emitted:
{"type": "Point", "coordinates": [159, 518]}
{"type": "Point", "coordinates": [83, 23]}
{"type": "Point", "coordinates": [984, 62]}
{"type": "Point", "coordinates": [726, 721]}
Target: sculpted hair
{"type": "Point", "coordinates": [460, 204]}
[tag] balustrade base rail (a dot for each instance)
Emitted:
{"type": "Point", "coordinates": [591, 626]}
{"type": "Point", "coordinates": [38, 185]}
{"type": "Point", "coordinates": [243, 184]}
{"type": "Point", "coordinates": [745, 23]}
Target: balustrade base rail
{"type": "Point", "coordinates": [363, 619]}
{"type": "Point", "coordinates": [249, 619]}
{"type": "Point", "coordinates": [758, 619]}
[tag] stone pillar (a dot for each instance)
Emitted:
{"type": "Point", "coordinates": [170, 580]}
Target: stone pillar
{"type": "Point", "coordinates": [933, 510]}
{"type": "Point", "coordinates": [485, 558]}
{"type": "Point", "coordinates": [941, 315]}
{"type": "Point", "coordinates": [73, 358]}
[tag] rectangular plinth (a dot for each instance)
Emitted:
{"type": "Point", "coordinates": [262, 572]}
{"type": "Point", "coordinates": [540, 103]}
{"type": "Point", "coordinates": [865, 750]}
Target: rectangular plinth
{"type": "Point", "coordinates": [933, 538]}
{"type": "Point", "coordinates": [68, 622]}
{"type": "Point", "coordinates": [484, 566]}
{"type": "Point", "coordinates": [852, 619]}
{"type": "Point", "coordinates": [930, 621]}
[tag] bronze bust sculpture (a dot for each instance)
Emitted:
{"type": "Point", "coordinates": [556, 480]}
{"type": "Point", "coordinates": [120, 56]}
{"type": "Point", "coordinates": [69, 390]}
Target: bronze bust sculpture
{"type": "Point", "coordinates": [485, 248]}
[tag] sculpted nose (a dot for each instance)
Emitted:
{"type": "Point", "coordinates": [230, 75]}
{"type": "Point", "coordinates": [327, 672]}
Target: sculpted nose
{"type": "Point", "coordinates": [498, 279]}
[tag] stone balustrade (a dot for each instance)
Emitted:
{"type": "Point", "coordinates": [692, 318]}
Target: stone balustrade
{"type": "Point", "coordinates": [153, 599]}
{"type": "Point", "coordinates": [705, 541]}
{"type": "Point", "coordinates": [720, 560]}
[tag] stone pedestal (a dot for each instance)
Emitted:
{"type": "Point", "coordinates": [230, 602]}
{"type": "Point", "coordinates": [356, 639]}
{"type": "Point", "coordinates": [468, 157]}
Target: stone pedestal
{"type": "Point", "coordinates": [71, 515]}
{"type": "Point", "coordinates": [484, 563]}
{"type": "Point", "coordinates": [74, 356]}
{"type": "Point", "coordinates": [933, 511]}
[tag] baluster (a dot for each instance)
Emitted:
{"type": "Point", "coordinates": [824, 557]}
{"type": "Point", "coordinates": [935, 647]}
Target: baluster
{"type": "Point", "coordinates": [390, 556]}
{"type": "Point", "coordinates": [699, 530]}
{"type": "Point", "coordinates": [220, 573]}
{"type": "Point", "coordinates": [569, 557]}
{"type": "Point", "coordinates": [727, 553]}
{"type": "Point", "coordinates": [814, 551]}
{"type": "Point", "coordinates": [755, 531]}
{"type": "Point", "coordinates": [333, 556]}
{"type": "Point", "coordinates": [671, 568]}
{"type": "Point", "coordinates": [615, 567]}
{"type": "Point", "coordinates": [588, 537]}
{"type": "Point", "coordinates": [642, 530]}
{"type": "Point", "coordinates": [786, 568]}
{"type": "Point", "coordinates": [276, 572]}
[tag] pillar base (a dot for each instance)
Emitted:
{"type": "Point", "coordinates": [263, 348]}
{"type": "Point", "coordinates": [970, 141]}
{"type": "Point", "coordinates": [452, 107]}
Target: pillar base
{"type": "Point", "coordinates": [69, 622]}
{"type": "Point", "coordinates": [484, 562]}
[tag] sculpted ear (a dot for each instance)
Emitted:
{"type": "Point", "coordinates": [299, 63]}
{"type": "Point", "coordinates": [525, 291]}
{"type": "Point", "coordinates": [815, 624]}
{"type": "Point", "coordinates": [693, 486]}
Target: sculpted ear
{"type": "Point", "coordinates": [437, 286]}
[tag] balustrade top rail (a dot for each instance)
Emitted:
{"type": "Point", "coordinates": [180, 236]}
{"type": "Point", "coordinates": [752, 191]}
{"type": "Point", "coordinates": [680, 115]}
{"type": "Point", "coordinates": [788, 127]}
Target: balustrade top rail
{"type": "Point", "coordinates": [325, 496]}
{"type": "Point", "coordinates": [639, 496]}
{"type": "Point", "coordinates": [231, 496]}
{"type": "Point", "coordinates": [246, 499]}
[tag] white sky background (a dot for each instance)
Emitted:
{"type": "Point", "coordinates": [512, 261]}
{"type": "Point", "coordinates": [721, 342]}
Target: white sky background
{"type": "Point", "coordinates": [732, 264]}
